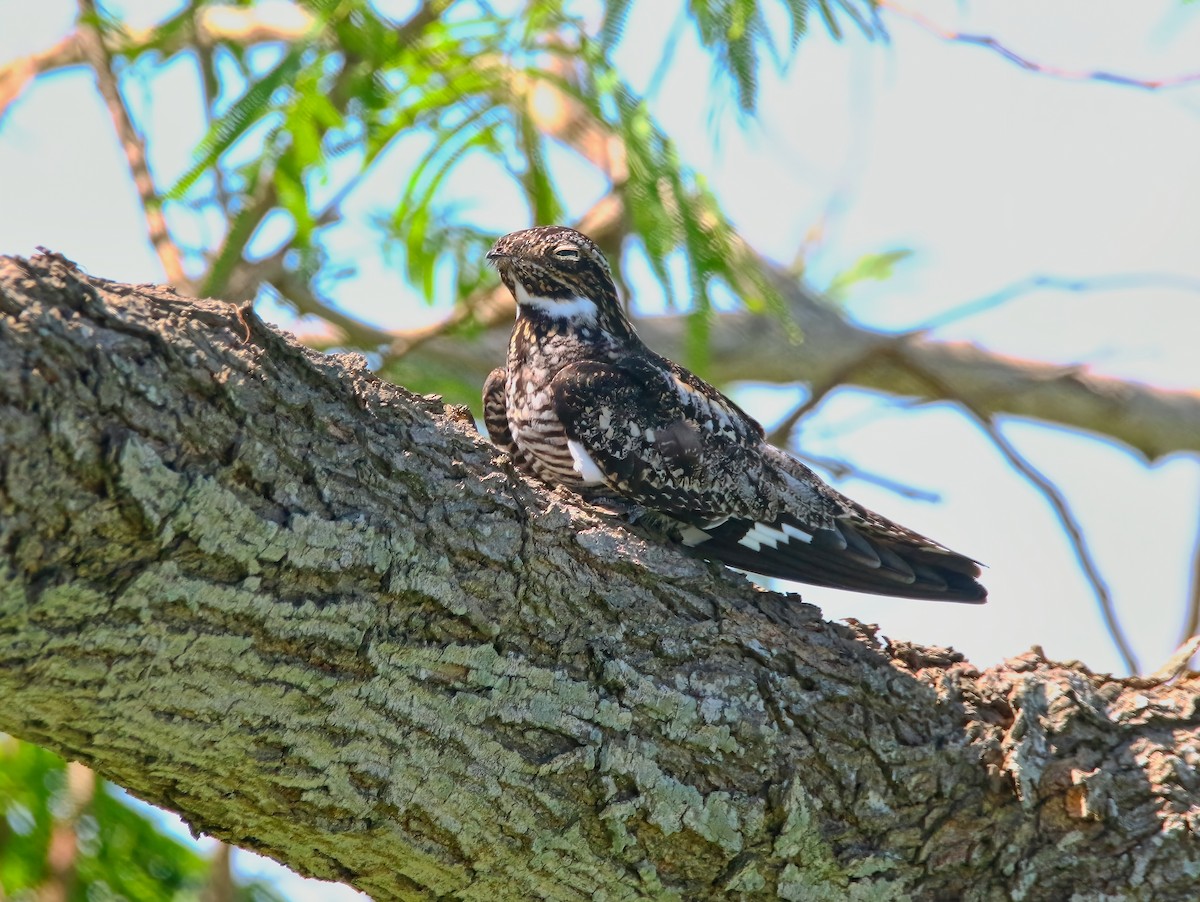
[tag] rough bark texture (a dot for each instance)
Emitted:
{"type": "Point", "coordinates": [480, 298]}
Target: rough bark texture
{"type": "Point", "coordinates": [320, 618]}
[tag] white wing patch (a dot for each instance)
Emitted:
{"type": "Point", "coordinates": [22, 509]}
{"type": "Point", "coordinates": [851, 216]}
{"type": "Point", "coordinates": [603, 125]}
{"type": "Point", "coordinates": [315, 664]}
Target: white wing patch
{"type": "Point", "coordinates": [568, 308]}
{"type": "Point", "coordinates": [762, 535]}
{"type": "Point", "coordinates": [583, 463]}
{"type": "Point", "coordinates": [797, 533]}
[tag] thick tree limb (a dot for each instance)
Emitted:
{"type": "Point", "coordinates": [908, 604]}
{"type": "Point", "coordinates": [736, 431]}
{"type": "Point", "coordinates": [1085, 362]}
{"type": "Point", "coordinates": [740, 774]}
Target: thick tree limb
{"type": "Point", "coordinates": [320, 618]}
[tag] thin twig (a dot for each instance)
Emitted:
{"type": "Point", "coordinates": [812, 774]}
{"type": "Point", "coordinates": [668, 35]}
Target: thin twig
{"type": "Point", "coordinates": [1113, 282]}
{"type": "Point", "coordinates": [1191, 623]}
{"type": "Point", "coordinates": [357, 333]}
{"type": "Point", "coordinates": [1074, 531]}
{"type": "Point", "coordinates": [782, 433]}
{"type": "Point", "coordinates": [16, 75]}
{"type": "Point", "coordinates": [991, 43]}
{"type": "Point", "coordinates": [99, 59]}
{"type": "Point", "coordinates": [264, 195]}
{"type": "Point", "coordinates": [1062, 510]}
{"type": "Point", "coordinates": [885, 347]}
{"type": "Point", "coordinates": [211, 25]}
{"type": "Point", "coordinates": [260, 203]}
{"type": "Point", "coordinates": [843, 469]}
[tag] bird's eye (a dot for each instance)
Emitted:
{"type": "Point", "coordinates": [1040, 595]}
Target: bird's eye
{"type": "Point", "coordinates": [566, 252]}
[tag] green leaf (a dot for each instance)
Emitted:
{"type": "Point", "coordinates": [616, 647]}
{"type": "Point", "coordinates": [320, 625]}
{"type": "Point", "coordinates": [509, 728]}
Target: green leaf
{"type": "Point", "coordinates": [539, 188]}
{"type": "Point", "coordinates": [876, 267]}
{"type": "Point", "coordinates": [415, 217]}
{"type": "Point", "coordinates": [248, 110]}
{"type": "Point", "coordinates": [293, 197]}
{"type": "Point", "coordinates": [798, 13]}
{"type": "Point", "coordinates": [830, 19]}
{"type": "Point", "coordinates": [240, 230]}
{"type": "Point", "coordinates": [735, 33]}
{"type": "Point", "coordinates": [616, 12]}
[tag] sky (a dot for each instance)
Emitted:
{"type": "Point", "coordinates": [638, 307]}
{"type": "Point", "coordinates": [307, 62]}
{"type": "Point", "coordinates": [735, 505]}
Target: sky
{"type": "Point", "coordinates": [990, 174]}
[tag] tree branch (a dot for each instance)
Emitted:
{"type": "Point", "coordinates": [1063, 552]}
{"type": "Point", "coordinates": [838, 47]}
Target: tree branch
{"type": "Point", "coordinates": [1152, 421]}
{"type": "Point", "coordinates": [319, 617]}
{"type": "Point", "coordinates": [94, 52]}
{"type": "Point", "coordinates": [1191, 618]}
{"type": "Point", "coordinates": [1066, 519]}
{"type": "Point", "coordinates": [213, 24]}
{"type": "Point", "coordinates": [1024, 62]}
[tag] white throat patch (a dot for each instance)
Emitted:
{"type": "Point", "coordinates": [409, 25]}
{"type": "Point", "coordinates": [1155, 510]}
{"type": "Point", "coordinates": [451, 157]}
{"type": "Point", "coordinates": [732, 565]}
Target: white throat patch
{"type": "Point", "coordinates": [570, 308]}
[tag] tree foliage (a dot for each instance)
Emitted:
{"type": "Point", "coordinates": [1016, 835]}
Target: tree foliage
{"type": "Point", "coordinates": [292, 130]}
{"type": "Point", "coordinates": [104, 848]}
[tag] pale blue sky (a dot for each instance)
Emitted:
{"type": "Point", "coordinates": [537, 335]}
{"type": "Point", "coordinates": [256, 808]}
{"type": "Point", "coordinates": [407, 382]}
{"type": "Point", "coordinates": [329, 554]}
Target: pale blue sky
{"type": "Point", "coordinates": [989, 173]}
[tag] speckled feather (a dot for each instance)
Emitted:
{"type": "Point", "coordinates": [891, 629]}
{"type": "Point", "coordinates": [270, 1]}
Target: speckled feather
{"type": "Point", "coordinates": [583, 403]}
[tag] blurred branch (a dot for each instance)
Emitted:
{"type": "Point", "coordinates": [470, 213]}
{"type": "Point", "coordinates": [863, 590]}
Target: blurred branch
{"type": "Point", "coordinates": [1113, 282]}
{"type": "Point", "coordinates": [782, 432]}
{"type": "Point", "coordinates": [220, 886]}
{"type": "Point", "coordinates": [991, 43]}
{"type": "Point", "coordinates": [355, 332]}
{"type": "Point", "coordinates": [241, 227]}
{"type": "Point", "coordinates": [16, 75]}
{"type": "Point", "coordinates": [1191, 624]}
{"type": "Point", "coordinates": [97, 56]}
{"type": "Point", "coordinates": [212, 25]}
{"type": "Point", "coordinates": [62, 851]}
{"type": "Point", "coordinates": [843, 469]}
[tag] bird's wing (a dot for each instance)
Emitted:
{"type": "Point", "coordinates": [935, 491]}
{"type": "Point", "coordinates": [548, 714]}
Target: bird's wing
{"type": "Point", "coordinates": [856, 549]}
{"type": "Point", "coordinates": [655, 434]}
{"type": "Point", "coordinates": [656, 440]}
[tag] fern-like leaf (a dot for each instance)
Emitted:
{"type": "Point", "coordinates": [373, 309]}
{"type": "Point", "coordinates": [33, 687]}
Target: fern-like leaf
{"type": "Point", "coordinates": [248, 110]}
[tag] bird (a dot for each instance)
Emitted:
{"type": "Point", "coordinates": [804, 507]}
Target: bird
{"type": "Point", "coordinates": [582, 403]}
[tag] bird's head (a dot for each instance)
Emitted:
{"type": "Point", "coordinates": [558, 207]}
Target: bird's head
{"type": "Point", "coordinates": [559, 273]}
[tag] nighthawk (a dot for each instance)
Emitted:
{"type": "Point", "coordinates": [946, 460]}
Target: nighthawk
{"type": "Point", "coordinates": [583, 403]}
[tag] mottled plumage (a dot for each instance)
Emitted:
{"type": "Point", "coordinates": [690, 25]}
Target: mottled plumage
{"type": "Point", "coordinates": [584, 404]}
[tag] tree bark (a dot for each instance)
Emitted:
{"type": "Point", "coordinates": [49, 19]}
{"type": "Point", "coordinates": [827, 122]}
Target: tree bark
{"type": "Point", "coordinates": [320, 618]}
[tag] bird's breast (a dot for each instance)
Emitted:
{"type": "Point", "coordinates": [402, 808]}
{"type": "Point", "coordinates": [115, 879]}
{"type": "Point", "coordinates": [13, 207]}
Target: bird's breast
{"type": "Point", "coordinates": [535, 358]}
